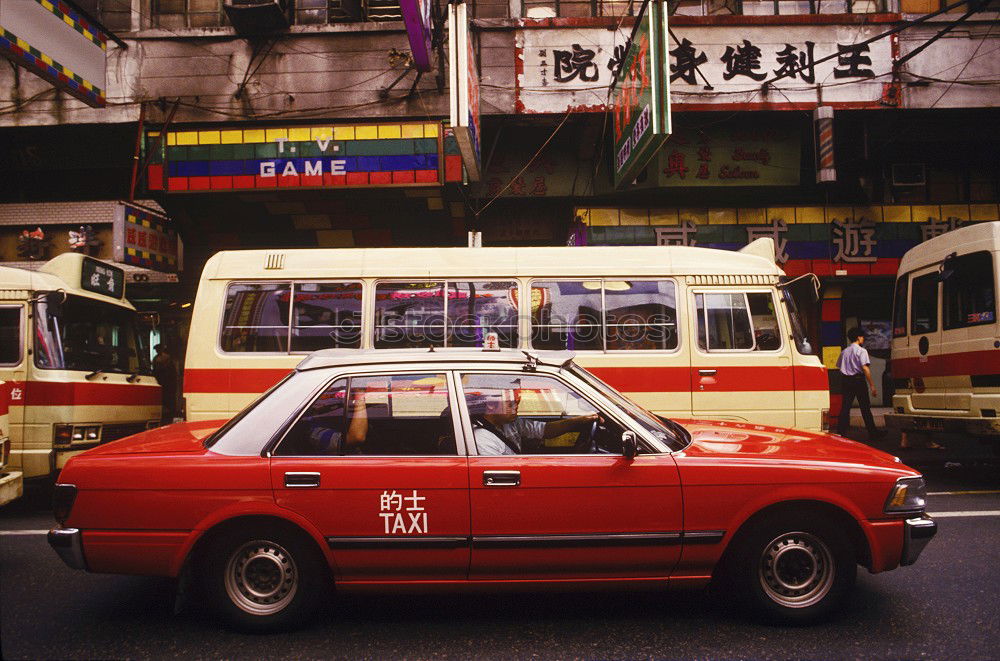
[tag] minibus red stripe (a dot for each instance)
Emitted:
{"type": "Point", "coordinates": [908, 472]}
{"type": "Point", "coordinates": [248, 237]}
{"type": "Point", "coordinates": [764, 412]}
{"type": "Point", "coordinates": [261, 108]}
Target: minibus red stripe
{"type": "Point", "coordinates": [949, 364]}
{"type": "Point", "coordinates": [628, 379]}
{"type": "Point", "coordinates": [223, 380]}
{"type": "Point", "coordinates": [47, 393]}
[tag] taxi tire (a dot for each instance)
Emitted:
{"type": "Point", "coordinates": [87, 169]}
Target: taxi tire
{"type": "Point", "coordinates": [811, 551]}
{"type": "Point", "coordinates": [282, 554]}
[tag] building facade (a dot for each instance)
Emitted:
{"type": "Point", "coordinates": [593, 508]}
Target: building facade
{"type": "Point", "coordinates": [307, 126]}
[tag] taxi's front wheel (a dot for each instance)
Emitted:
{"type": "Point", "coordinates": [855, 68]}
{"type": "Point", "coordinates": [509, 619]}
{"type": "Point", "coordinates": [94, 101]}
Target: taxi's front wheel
{"type": "Point", "coordinates": [263, 580]}
{"type": "Point", "coordinates": [793, 569]}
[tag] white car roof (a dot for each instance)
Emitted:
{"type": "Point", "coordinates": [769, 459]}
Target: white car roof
{"type": "Point", "coordinates": [381, 357]}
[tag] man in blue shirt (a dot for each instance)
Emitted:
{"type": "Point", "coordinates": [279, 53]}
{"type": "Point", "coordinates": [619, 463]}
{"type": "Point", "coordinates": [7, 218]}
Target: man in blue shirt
{"type": "Point", "coordinates": [854, 373]}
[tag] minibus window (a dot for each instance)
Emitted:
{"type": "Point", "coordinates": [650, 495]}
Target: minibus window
{"type": "Point", "coordinates": [899, 308]}
{"type": "Point", "coordinates": [409, 314]}
{"type": "Point", "coordinates": [477, 308]}
{"type": "Point", "coordinates": [566, 315]}
{"type": "Point", "coordinates": [326, 315]}
{"type": "Point", "coordinates": [724, 322]}
{"type": "Point", "coordinates": [10, 335]}
{"type": "Point", "coordinates": [640, 314]}
{"type": "Point", "coordinates": [923, 318]}
{"type": "Point", "coordinates": [256, 317]}
{"type": "Point", "coordinates": [968, 297]}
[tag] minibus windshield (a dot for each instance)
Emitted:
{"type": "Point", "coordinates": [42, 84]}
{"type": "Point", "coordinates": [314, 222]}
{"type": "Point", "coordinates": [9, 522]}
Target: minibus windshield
{"type": "Point", "coordinates": [85, 334]}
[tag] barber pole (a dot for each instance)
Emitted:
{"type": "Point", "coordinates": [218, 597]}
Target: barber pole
{"type": "Point", "coordinates": [823, 118]}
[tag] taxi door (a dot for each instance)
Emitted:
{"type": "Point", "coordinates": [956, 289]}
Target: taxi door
{"type": "Point", "coordinates": [563, 511]}
{"type": "Point", "coordinates": [741, 361]}
{"type": "Point", "coordinates": [373, 464]}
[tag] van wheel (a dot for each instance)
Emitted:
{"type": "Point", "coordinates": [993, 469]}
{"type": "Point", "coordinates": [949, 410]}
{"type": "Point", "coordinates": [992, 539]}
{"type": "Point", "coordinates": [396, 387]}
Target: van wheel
{"type": "Point", "coordinates": [793, 570]}
{"type": "Point", "coordinates": [263, 580]}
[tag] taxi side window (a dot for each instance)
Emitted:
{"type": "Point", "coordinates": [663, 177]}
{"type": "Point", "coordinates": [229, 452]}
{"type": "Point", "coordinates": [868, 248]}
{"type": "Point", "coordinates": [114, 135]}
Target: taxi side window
{"type": "Point", "coordinates": [516, 414]}
{"type": "Point", "coordinates": [397, 415]}
{"type": "Point", "coordinates": [737, 321]}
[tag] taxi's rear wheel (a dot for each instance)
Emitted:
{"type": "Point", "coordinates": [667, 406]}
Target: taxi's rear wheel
{"type": "Point", "coordinates": [263, 580]}
{"type": "Point", "coordinates": [794, 569]}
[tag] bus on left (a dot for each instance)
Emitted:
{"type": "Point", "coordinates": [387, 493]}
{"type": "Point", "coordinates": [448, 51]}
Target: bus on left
{"type": "Point", "coordinates": [75, 371]}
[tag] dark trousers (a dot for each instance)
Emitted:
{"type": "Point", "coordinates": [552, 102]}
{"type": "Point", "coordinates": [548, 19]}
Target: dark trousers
{"type": "Point", "coordinates": [852, 387]}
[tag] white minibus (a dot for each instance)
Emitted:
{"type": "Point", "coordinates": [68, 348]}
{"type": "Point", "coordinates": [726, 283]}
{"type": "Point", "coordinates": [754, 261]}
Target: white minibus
{"type": "Point", "coordinates": [686, 332]}
{"type": "Point", "coordinates": [946, 341]}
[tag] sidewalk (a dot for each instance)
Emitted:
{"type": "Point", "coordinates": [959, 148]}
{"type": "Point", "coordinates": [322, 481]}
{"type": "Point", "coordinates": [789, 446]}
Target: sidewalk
{"type": "Point", "coordinates": [959, 448]}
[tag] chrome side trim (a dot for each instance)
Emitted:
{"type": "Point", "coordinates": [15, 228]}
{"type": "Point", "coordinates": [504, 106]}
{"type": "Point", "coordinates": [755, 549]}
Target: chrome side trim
{"type": "Point", "coordinates": [917, 532]}
{"type": "Point", "coordinates": [409, 542]}
{"type": "Point", "coordinates": [68, 543]}
{"type": "Point", "coordinates": [704, 536]}
{"type": "Point", "coordinates": [548, 541]}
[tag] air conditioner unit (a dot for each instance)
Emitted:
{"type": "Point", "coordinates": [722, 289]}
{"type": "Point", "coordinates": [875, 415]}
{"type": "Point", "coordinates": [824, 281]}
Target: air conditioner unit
{"type": "Point", "coordinates": [908, 174]}
{"type": "Point", "coordinates": [250, 17]}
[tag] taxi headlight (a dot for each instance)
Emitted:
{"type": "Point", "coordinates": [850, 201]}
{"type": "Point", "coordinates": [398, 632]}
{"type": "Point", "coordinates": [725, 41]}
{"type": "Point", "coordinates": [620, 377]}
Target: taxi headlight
{"type": "Point", "coordinates": [909, 494]}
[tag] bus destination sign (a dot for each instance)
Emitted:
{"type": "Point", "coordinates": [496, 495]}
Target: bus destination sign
{"type": "Point", "coordinates": [101, 278]}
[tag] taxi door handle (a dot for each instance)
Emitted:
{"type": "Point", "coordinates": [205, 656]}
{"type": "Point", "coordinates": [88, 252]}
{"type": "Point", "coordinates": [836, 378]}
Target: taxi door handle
{"type": "Point", "coordinates": [501, 478]}
{"type": "Point", "coordinates": [707, 372]}
{"type": "Point", "coordinates": [301, 480]}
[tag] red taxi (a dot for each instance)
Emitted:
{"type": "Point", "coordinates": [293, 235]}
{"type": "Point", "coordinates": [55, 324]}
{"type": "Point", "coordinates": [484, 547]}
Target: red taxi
{"type": "Point", "coordinates": [396, 470]}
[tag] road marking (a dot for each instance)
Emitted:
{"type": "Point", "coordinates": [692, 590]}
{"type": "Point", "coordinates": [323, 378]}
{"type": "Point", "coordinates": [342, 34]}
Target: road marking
{"type": "Point", "coordinates": [962, 493]}
{"type": "Point", "coordinates": [24, 532]}
{"type": "Point", "coordinates": [946, 515]}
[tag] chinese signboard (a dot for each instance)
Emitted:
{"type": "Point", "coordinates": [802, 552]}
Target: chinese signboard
{"type": "Point", "coordinates": [641, 110]}
{"type": "Point", "coordinates": [101, 278]}
{"type": "Point", "coordinates": [373, 155]}
{"type": "Point", "coordinates": [417, 18]}
{"type": "Point", "coordinates": [464, 84]}
{"type": "Point", "coordinates": [53, 41]}
{"type": "Point", "coordinates": [821, 240]}
{"type": "Point", "coordinates": [758, 155]}
{"type": "Point", "coordinates": [711, 66]}
{"type": "Point", "coordinates": [144, 238]}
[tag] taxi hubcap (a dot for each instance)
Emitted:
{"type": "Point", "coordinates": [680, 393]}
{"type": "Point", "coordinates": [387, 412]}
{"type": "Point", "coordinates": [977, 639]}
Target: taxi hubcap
{"type": "Point", "coordinates": [261, 577]}
{"type": "Point", "coordinates": [796, 569]}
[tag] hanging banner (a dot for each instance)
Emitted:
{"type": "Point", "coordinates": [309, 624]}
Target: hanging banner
{"type": "Point", "coordinates": [417, 18]}
{"type": "Point", "coordinates": [464, 85]}
{"type": "Point", "coordinates": [55, 42]}
{"type": "Point", "coordinates": [641, 99]}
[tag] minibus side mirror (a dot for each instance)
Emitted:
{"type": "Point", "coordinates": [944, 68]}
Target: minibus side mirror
{"type": "Point", "coordinates": [630, 445]}
{"type": "Point", "coordinates": [947, 267]}
{"type": "Point", "coordinates": [54, 301]}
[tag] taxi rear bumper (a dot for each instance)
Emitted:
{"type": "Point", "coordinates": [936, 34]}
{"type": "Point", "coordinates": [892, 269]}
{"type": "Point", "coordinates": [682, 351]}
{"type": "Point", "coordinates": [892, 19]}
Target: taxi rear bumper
{"type": "Point", "coordinates": [11, 486]}
{"type": "Point", "coordinates": [917, 532]}
{"type": "Point", "coordinates": [68, 543]}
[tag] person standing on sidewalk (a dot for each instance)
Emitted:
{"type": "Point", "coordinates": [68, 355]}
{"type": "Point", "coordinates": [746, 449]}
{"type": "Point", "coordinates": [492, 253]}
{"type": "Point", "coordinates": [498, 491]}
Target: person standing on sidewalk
{"type": "Point", "coordinates": [855, 375]}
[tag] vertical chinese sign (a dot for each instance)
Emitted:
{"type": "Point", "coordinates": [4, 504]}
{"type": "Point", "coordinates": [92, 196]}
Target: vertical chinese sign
{"type": "Point", "coordinates": [641, 106]}
{"type": "Point", "coordinates": [464, 83]}
{"type": "Point", "coordinates": [144, 238]}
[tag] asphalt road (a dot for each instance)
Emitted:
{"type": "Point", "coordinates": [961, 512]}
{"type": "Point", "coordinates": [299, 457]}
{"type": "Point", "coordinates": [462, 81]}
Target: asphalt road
{"type": "Point", "coordinates": [944, 607]}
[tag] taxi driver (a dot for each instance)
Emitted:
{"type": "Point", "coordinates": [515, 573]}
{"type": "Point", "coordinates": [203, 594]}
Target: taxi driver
{"type": "Point", "coordinates": [499, 430]}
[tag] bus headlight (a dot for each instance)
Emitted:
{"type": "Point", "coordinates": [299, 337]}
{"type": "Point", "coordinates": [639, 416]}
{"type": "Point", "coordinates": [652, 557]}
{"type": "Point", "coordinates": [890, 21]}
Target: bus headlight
{"type": "Point", "coordinates": [909, 494]}
{"type": "Point", "coordinates": [92, 433]}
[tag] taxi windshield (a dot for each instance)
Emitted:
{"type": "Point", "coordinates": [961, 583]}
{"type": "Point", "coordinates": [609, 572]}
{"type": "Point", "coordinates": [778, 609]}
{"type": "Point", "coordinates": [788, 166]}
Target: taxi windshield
{"type": "Point", "coordinates": [86, 334]}
{"type": "Point", "coordinates": [669, 433]}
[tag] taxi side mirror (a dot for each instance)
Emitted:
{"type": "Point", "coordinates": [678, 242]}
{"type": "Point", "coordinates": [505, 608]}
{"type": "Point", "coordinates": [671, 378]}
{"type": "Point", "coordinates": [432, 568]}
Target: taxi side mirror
{"type": "Point", "coordinates": [630, 445]}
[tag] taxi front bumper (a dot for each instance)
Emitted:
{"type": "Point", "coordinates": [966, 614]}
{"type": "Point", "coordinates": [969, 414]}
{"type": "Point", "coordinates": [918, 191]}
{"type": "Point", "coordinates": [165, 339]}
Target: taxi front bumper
{"type": "Point", "coordinates": [11, 486]}
{"type": "Point", "coordinates": [68, 543]}
{"type": "Point", "coordinates": [917, 532]}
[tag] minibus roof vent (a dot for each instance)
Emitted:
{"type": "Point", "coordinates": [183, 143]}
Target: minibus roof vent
{"type": "Point", "coordinates": [274, 261]}
{"type": "Point", "coordinates": [732, 279]}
